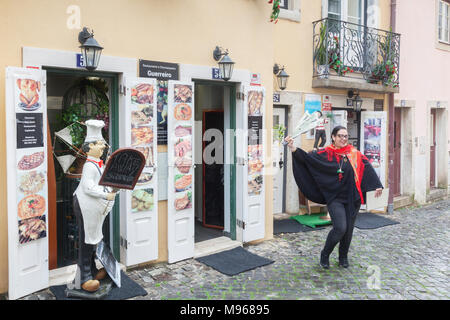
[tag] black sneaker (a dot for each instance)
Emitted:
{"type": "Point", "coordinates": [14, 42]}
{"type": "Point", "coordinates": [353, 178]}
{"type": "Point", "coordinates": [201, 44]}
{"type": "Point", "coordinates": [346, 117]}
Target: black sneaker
{"type": "Point", "coordinates": [343, 262]}
{"type": "Point", "coordinates": [324, 261]}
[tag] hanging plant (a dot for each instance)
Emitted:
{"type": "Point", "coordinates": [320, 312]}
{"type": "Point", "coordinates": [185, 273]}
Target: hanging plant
{"type": "Point", "coordinates": [279, 132]}
{"type": "Point", "coordinates": [275, 10]}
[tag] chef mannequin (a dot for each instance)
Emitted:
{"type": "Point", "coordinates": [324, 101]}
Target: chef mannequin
{"type": "Point", "coordinates": [91, 204]}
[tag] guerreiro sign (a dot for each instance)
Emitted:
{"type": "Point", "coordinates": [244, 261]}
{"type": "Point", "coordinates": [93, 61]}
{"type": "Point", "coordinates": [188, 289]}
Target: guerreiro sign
{"type": "Point", "coordinates": [158, 70]}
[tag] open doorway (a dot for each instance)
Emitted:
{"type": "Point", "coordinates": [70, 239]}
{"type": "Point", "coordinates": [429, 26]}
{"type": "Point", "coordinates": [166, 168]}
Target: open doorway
{"type": "Point", "coordinates": [210, 193]}
{"type": "Point", "coordinates": [72, 98]}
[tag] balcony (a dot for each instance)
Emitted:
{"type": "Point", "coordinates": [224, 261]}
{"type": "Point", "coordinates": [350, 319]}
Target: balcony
{"type": "Point", "coordinates": [352, 56]}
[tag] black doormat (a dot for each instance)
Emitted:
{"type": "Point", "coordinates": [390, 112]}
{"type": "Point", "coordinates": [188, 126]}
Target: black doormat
{"type": "Point", "coordinates": [128, 289]}
{"type": "Point", "coordinates": [367, 220]}
{"type": "Point", "coordinates": [234, 261]}
{"type": "Point", "coordinates": [290, 226]}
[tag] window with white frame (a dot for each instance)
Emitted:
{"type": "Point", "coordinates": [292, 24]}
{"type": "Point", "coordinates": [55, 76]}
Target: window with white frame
{"type": "Point", "coordinates": [290, 10]}
{"type": "Point", "coordinates": [444, 22]}
{"type": "Point", "coordinates": [284, 4]}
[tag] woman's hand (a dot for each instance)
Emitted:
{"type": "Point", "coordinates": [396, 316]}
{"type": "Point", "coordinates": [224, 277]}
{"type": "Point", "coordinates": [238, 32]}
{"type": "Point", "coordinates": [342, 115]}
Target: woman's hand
{"type": "Point", "coordinates": [290, 143]}
{"type": "Point", "coordinates": [378, 192]}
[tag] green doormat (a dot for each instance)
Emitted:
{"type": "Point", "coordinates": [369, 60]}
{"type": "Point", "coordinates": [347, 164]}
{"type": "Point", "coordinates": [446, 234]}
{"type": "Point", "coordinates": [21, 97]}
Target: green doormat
{"type": "Point", "coordinates": [312, 220]}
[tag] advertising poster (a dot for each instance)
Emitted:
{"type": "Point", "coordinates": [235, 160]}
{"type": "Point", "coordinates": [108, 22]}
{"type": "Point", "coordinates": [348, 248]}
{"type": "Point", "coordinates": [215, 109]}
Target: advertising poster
{"type": "Point", "coordinates": [255, 144]}
{"type": "Point", "coordinates": [143, 120]}
{"type": "Point", "coordinates": [313, 102]}
{"type": "Point", "coordinates": [374, 142]}
{"type": "Point", "coordinates": [30, 165]}
{"type": "Point", "coordinates": [182, 146]}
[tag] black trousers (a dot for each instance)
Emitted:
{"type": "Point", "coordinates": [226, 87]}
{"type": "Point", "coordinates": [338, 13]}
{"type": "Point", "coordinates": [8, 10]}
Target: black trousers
{"type": "Point", "coordinates": [320, 134]}
{"type": "Point", "coordinates": [86, 252]}
{"type": "Point", "coordinates": [343, 224]}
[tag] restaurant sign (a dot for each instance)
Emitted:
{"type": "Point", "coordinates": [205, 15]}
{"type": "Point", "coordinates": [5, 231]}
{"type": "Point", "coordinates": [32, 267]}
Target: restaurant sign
{"type": "Point", "coordinates": [158, 70]}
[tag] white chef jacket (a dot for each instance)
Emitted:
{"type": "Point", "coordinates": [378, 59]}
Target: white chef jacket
{"type": "Point", "coordinates": [93, 203]}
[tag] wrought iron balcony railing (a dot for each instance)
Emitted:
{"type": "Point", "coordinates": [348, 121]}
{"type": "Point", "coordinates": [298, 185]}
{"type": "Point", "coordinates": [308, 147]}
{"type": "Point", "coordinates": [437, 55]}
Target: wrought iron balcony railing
{"type": "Point", "coordinates": [356, 51]}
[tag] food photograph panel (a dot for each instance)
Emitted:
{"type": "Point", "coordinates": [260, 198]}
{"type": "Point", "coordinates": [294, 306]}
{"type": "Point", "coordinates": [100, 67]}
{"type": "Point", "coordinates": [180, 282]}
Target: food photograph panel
{"type": "Point", "coordinates": [29, 159]}
{"type": "Point", "coordinates": [255, 100]}
{"type": "Point", "coordinates": [27, 94]}
{"type": "Point", "coordinates": [147, 151]}
{"type": "Point", "coordinates": [31, 182]}
{"type": "Point", "coordinates": [141, 115]}
{"type": "Point", "coordinates": [183, 200]}
{"type": "Point", "coordinates": [142, 200]}
{"type": "Point", "coordinates": [32, 229]}
{"type": "Point", "coordinates": [141, 136]}
{"type": "Point", "coordinates": [183, 131]}
{"type": "Point", "coordinates": [142, 94]}
{"type": "Point", "coordinates": [183, 182]}
{"type": "Point", "coordinates": [182, 93]}
{"type": "Point", "coordinates": [31, 206]}
{"type": "Point", "coordinates": [255, 182]}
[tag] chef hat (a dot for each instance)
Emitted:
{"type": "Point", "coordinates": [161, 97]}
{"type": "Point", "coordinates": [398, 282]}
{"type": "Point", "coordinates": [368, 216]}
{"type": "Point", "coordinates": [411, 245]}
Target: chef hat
{"type": "Point", "coordinates": [94, 130]}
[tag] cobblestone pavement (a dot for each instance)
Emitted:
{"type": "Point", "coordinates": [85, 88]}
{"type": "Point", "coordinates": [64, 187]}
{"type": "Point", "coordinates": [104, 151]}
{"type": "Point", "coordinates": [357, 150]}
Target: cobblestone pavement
{"type": "Point", "coordinates": [404, 261]}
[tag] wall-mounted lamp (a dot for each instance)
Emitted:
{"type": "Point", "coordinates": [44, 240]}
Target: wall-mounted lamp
{"type": "Point", "coordinates": [90, 49]}
{"type": "Point", "coordinates": [282, 76]}
{"type": "Point", "coordinates": [225, 63]}
{"type": "Point", "coordinates": [355, 99]}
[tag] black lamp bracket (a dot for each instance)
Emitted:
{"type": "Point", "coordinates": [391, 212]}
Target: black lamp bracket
{"type": "Point", "coordinates": [219, 52]}
{"type": "Point", "coordinates": [84, 35]}
{"type": "Point", "coordinates": [351, 93]}
{"type": "Point", "coordinates": [277, 68]}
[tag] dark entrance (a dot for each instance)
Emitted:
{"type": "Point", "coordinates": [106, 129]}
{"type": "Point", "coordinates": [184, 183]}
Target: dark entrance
{"type": "Point", "coordinates": [397, 151]}
{"type": "Point", "coordinates": [213, 173]}
{"type": "Point", "coordinates": [74, 97]}
{"type": "Point", "coordinates": [433, 149]}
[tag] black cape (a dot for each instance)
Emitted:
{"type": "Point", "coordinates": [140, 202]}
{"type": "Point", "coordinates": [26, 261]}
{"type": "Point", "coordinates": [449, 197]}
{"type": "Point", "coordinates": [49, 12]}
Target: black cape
{"type": "Point", "coordinates": [318, 180]}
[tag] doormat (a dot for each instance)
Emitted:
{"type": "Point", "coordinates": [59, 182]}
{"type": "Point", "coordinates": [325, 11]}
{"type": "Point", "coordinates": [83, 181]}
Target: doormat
{"type": "Point", "coordinates": [366, 220]}
{"type": "Point", "coordinates": [312, 220]}
{"type": "Point", "coordinates": [128, 289]}
{"type": "Point", "coordinates": [234, 261]}
{"type": "Point", "coordinates": [290, 226]}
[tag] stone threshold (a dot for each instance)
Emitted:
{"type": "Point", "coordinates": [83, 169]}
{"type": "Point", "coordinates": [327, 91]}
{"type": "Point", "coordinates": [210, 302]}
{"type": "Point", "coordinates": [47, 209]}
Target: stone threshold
{"type": "Point", "coordinates": [215, 245]}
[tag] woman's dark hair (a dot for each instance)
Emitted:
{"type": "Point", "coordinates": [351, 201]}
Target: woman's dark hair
{"type": "Point", "coordinates": [336, 130]}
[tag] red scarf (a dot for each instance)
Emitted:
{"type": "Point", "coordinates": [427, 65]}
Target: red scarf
{"type": "Point", "coordinates": [99, 163]}
{"type": "Point", "coordinates": [355, 158]}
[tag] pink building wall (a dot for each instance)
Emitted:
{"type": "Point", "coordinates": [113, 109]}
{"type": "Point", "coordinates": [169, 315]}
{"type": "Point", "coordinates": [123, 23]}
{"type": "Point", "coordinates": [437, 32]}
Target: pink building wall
{"type": "Point", "coordinates": [424, 79]}
{"type": "Point", "coordinates": [424, 69]}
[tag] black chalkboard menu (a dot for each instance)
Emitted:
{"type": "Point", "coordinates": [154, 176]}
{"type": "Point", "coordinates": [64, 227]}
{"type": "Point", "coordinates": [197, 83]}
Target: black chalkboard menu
{"type": "Point", "coordinates": [123, 169]}
{"type": "Point", "coordinates": [29, 130]}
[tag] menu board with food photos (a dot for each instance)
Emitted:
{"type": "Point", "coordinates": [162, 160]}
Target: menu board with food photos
{"type": "Point", "coordinates": [143, 139]}
{"type": "Point", "coordinates": [255, 143]}
{"type": "Point", "coordinates": [139, 209]}
{"type": "Point", "coordinates": [25, 113]}
{"type": "Point", "coordinates": [31, 165]}
{"type": "Point", "coordinates": [181, 169]}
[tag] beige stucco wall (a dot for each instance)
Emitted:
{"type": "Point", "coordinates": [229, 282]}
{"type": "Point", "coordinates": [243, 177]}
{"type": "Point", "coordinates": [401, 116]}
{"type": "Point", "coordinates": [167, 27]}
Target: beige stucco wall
{"type": "Point", "coordinates": [173, 31]}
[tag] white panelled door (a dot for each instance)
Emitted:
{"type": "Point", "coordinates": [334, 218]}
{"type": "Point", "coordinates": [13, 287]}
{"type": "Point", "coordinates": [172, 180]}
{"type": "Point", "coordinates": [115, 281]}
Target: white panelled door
{"type": "Point", "coordinates": [139, 207]}
{"type": "Point", "coordinates": [180, 148]}
{"type": "Point", "coordinates": [250, 157]}
{"type": "Point", "coordinates": [26, 146]}
{"type": "Point", "coordinates": [278, 154]}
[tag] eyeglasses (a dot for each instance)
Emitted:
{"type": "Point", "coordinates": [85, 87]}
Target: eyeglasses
{"type": "Point", "coordinates": [342, 136]}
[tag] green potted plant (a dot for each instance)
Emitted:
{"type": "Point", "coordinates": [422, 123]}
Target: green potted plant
{"type": "Point", "coordinates": [385, 70]}
{"type": "Point", "coordinates": [322, 67]}
{"type": "Point", "coordinates": [335, 61]}
{"type": "Point", "coordinates": [85, 100]}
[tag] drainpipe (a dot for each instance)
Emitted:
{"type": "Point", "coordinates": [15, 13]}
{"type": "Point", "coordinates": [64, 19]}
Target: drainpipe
{"type": "Point", "coordinates": [391, 115]}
